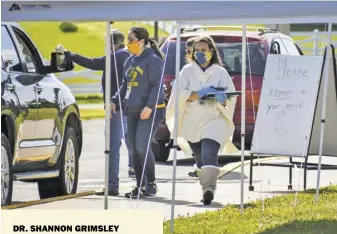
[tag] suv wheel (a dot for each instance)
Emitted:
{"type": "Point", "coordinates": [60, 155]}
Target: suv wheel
{"type": "Point", "coordinates": [160, 151]}
{"type": "Point", "coordinates": [6, 172]}
{"type": "Point", "coordinates": [66, 183]}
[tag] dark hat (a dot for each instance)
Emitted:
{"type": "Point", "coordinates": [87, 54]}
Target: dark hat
{"type": "Point", "coordinates": [117, 37]}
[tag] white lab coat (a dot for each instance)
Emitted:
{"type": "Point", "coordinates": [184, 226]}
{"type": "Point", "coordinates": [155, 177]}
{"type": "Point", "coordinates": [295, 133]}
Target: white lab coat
{"type": "Point", "coordinates": [209, 120]}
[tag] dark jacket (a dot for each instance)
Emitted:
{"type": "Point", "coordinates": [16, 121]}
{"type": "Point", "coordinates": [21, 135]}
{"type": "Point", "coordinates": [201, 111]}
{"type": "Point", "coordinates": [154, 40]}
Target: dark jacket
{"type": "Point", "coordinates": [143, 75]}
{"type": "Point", "coordinates": [98, 63]}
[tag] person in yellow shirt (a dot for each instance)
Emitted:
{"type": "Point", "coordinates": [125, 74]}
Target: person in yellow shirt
{"type": "Point", "coordinates": [142, 95]}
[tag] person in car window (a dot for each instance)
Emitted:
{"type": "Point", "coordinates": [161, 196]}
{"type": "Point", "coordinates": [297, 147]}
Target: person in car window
{"type": "Point", "coordinates": [143, 95]}
{"type": "Point", "coordinates": [116, 130]}
{"type": "Point", "coordinates": [206, 125]}
{"type": "Point", "coordinates": [189, 49]}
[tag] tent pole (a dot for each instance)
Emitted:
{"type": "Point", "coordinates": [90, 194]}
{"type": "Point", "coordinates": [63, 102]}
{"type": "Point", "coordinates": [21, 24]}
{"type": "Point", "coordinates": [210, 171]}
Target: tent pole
{"type": "Point", "coordinates": [243, 113]}
{"type": "Point", "coordinates": [107, 110]}
{"type": "Point", "coordinates": [175, 137]}
{"type": "Point", "coordinates": [325, 90]}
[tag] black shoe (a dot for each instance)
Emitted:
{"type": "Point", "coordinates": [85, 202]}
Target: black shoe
{"type": "Point", "coordinates": [131, 173]}
{"type": "Point", "coordinates": [208, 198]}
{"type": "Point", "coordinates": [151, 189]}
{"type": "Point", "coordinates": [110, 193]}
{"type": "Point", "coordinates": [134, 193]}
{"type": "Point", "coordinates": [193, 174]}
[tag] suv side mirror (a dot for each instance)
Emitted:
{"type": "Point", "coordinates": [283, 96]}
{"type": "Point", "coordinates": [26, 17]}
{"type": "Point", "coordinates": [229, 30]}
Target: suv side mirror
{"type": "Point", "coordinates": [58, 63]}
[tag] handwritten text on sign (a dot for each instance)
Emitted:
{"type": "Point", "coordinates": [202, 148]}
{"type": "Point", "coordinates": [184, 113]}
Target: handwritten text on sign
{"type": "Point", "coordinates": [283, 104]}
{"type": "Point", "coordinates": [287, 104]}
{"type": "Point", "coordinates": [287, 70]}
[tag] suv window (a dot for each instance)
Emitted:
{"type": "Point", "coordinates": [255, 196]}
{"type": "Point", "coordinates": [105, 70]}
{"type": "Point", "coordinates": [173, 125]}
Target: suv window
{"type": "Point", "coordinates": [28, 53]}
{"type": "Point", "coordinates": [230, 53]}
{"type": "Point", "coordinates": [10, 57]}
{"type": "Point", "coordinates": [286, 47]}
{"type": "Point", "coordinates": [277, 47]}
{"type": "Point", "coordinates": [290, 47]}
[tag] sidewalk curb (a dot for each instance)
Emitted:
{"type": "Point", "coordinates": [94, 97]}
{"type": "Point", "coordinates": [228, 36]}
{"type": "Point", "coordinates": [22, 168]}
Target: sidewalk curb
{"type": "Point", "coordinates": [47, 200]}
{"type": "Point", "coordinates": [233, 166]}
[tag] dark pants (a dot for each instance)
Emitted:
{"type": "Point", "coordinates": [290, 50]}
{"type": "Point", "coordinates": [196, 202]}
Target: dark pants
{"type": "Point", "coordinates": [139, 138]}
{"type": "Point", "coordinates": [116, 136]}
{"type": "Point", "coordinates": [205, 152]}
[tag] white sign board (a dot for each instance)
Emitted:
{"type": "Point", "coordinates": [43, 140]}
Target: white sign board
{"type": "Point", "coordinates": [287, 105]}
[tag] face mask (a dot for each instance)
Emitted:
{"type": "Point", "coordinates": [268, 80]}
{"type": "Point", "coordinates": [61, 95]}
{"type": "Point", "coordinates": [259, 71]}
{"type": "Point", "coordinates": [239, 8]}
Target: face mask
{"type": "Point", "coordinates": [202, 57]}
{"type": "Point", "coordinates": [134, 48]}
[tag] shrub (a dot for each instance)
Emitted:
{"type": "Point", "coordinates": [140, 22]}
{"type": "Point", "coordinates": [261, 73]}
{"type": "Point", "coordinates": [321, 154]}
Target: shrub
{"type": "Point", "coordinates": [67, 27]}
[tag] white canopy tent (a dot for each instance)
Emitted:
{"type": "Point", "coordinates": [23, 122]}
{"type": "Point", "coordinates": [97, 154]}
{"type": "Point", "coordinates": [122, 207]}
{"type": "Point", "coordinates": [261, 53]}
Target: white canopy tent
{"type": "Point", "coordinates": [185, 12]}
{"type": "Point", "coordinates": [229, 12]}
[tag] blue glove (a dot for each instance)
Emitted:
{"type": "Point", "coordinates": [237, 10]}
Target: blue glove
{"type": "Point", "coordinates": [204, 91]}
{"type": "Point", "coordinates": [221, 97]}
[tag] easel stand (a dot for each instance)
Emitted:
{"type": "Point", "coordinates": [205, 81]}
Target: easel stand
{"type": "Point", "coordinates": [291, 164]}
{"type": "Point", "coordinates": [316, 135]}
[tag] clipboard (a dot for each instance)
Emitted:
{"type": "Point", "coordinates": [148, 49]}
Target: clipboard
{"type": "Point", "coordinates": [236, 93]}
{"type": "Point", "coordinates": [229, 94]}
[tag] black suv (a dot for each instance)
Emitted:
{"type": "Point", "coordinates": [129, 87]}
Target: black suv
{"type": "Point", "coordinates": [41, 129]}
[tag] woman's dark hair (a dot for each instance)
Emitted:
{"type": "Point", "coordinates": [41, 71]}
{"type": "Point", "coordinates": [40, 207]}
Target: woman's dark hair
{"type": "Point", "coordinates": [120, 46]}
{"type": "Point", "coordinates": [117, 38]}
{"type": "Point", "coordinates": [211, 45]}
{"type": "Point", "coordinates": [141, 33]}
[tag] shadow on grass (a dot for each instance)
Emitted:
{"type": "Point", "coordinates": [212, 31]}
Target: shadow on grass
{"type": "Point", "coordinates": [305, 227]}
{"type": "Point", "coordinates": [279, 192]}
{"type": "Point", "coordinates": [322, 190]}
{"type": "Point", "coordinates": [245, 206]}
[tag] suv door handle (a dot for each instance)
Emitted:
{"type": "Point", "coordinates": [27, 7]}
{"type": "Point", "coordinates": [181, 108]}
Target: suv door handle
{"type": "Point", "coordinates": [38, 88]}
{"type": "Point", "coordinates": [10, 87]}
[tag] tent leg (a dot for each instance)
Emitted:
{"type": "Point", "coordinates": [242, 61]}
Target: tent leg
{"type": "Point", "coordinates": [251, 187]}
{"type": "Point", "coordinates": [290, 185]}
{"type": "Point", "coordinates": [107, 111]}
{"type": "Point", "coordinates": [243, 113]}
{"type": "Point", "coordinates": [305, 173]}
{"type": "Point", "coordinates": [175, 138]}
{"type": "Point", "coordinates": [326, 79]}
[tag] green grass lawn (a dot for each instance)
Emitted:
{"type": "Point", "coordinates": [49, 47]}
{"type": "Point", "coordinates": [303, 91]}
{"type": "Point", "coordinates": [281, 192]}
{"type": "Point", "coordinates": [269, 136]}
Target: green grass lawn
{"type": "Point", "coordinates": [80, 80]}
{"type": "Point", "coordinates": [279, 216]}
{"type": "Point", "coordinates": [95, 98]}
{"type": "Point", "coordinates": [87, 114]}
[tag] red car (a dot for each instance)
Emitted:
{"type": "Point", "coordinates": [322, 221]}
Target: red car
{"type": "Point", "coordinates": [260, 41]}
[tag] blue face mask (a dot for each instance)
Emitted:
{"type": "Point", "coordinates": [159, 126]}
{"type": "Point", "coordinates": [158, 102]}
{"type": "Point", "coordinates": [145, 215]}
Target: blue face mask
{"type": "Point", "coordinates": [202, 57]}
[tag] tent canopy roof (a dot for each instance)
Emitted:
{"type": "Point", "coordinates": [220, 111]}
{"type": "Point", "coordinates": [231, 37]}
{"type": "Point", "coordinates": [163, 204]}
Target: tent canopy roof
{"type": "Point", "coordinates": [234, 12]}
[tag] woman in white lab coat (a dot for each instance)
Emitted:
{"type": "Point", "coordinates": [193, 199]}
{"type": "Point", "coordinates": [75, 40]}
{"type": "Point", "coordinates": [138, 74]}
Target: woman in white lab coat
{"type": "Point", "coordinates": [206, 126]}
